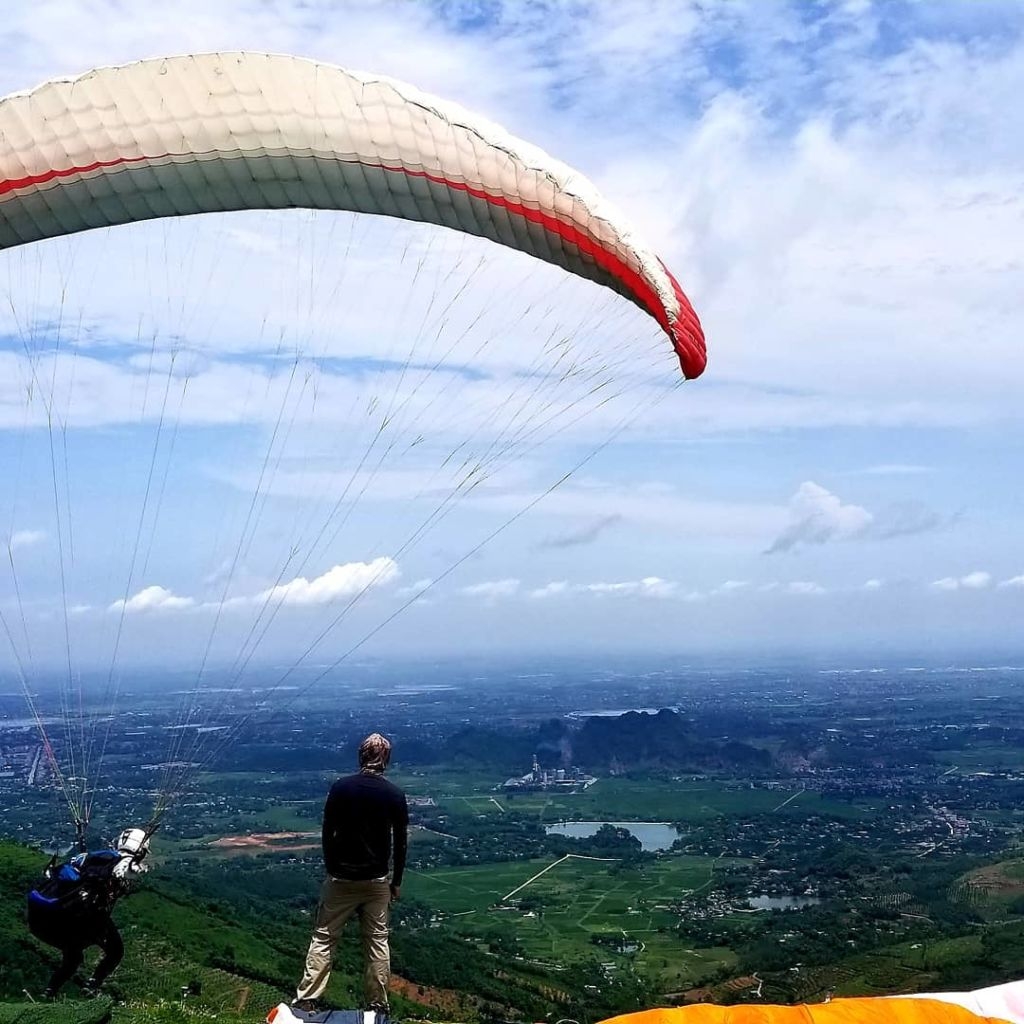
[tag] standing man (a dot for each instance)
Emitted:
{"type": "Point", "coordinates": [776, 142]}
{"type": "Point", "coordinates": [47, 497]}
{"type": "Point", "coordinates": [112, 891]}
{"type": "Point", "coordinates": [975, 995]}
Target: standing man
{"type": "Point", "coordinates": [365, 819]}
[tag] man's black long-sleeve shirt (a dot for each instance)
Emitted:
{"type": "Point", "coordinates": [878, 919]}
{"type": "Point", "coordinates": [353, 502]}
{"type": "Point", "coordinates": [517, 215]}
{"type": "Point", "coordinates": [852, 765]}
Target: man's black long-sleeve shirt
{"type": "Point", "coordinates": [362, 814]}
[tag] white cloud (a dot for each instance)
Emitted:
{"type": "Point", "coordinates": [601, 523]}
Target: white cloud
{"type": "Point", "coordinates": [649, 586]}
{"type": "Point", "coordinates": [656, 587]}
{"type": "Point", "coordinates": [415, 588]}
{"type": "Point", "coordinates": [977, 580]}
{"type": "Point", "coordinates": [346, 580]}
{"type": "Point", "coordinates": [25, 539]}
{"type": "Point", "coordinates": [492, 590]}
{"type": "Point", "coordinates": [153, 599]}
{"type": "Point", "coordinates": [804, 587]}
{"type": "Point", "coordinates": [1013, 581]}
{"type": "Point", "coordinates": [796, 588]}
{"type": "Point", "coordinates": [817, 516]}
{"type": "Point", "coordinates": [873, 584]}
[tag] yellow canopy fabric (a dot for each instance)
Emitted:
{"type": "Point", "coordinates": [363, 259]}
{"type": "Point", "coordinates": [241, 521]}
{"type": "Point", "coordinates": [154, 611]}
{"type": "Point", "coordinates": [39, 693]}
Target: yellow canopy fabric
{"type": "Point", "coordinates": [839, 1011]}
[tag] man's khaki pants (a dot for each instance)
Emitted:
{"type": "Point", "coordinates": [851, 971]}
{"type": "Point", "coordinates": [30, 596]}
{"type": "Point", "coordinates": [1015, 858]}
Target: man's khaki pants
{"type": "Point", "coordinates": [339, 900]}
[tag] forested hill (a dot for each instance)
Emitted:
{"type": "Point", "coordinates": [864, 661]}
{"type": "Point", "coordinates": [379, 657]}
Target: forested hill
{"type": "Point", "coordinates": [204, 941]}
{"type": "Point", "coordinates": [629, 742]}
{"type": "Point", "coordinates": [186, 954]}
{"type": "Point", "coordinates": [172, 944]}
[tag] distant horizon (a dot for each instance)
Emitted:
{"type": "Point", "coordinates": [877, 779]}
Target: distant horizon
{"type": "Point", "coordinates": [619, 662]}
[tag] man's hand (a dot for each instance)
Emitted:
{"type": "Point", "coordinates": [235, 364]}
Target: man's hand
{"type": "Point", "coordinates": [396, 892]}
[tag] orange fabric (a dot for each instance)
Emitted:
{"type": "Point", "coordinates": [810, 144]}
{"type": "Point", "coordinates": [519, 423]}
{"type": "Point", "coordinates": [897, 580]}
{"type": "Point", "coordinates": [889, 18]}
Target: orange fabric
{"type": "Point", "coordinates": [839, 1011]}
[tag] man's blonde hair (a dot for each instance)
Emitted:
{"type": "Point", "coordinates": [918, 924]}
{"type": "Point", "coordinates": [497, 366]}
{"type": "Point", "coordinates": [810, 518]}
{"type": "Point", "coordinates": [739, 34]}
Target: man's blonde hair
{"type": "Point", "coordinates": [374, 753]}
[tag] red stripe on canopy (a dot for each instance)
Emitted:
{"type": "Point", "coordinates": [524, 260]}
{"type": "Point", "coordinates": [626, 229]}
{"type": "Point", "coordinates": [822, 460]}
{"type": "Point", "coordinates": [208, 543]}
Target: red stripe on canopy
{"type": "Point", "coordinates": [685, 333]}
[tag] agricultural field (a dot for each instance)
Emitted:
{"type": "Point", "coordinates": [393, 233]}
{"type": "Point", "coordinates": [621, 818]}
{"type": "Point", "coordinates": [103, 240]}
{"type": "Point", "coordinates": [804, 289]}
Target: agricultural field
{"type": "Point", "coordinates": [985, 757]}
{"type": "Point", "coordinates": [992, 890]}
{"type": "Point", "coordinates": [625, 799]}
{"type": "Point", "coordinates": [555, 917]}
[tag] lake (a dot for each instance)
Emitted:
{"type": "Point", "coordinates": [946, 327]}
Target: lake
{"type": "Point", "coordinates": [782, 902]}
{"type": "Point", "coordinates": [653, 835]}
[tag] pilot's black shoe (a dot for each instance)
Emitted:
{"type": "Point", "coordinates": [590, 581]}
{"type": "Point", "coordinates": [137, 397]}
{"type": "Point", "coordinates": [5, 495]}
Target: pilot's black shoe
{"type": "Point", "coordinates": [309, 1005]}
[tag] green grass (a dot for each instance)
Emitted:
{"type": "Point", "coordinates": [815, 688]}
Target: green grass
{"type": "Point", "coordinates": [95, 1011]}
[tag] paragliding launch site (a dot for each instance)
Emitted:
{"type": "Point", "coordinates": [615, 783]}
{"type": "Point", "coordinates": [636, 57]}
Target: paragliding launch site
{"type": "Point", "coordinates": [503, 534]}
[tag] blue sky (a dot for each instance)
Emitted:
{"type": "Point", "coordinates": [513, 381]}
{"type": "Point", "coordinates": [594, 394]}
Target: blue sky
{"type": "Point", "coordinates": [837, 186]}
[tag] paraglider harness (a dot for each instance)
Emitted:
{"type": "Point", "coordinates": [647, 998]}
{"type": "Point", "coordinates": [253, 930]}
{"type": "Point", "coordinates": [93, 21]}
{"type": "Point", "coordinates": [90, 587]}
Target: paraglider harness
{"type": "Point", "coordinates": [75, 899]}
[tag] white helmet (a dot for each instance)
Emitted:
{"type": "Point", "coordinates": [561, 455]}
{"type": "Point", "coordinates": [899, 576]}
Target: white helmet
{"type": "Point", "coordinates": [134, 842]}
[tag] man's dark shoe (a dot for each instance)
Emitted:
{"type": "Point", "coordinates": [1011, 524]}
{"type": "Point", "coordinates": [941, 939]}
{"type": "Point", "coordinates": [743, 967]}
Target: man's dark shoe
{"type": "Point", "coordinates": [309, 1005]}
{"type": "Point", "coordinates": [91, 988]}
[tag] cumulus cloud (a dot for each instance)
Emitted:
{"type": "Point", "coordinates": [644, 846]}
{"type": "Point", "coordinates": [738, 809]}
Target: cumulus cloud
{"type": "Point", "coordinates": [1013, 581]}
{"type": "Point", "coordinates": [340, 581]}
{"type": "Point", "coordinates": [346, 580]}
{"type": "Point", "coordinates": [977, 580]}
{"type": "Point", "coordinates": [816, 516]}
{"type": "Point", "coordinates": [556, 588]}
{"type": "Point", "coordinates": [873, 584]}
{"type": "Point", "coordinates": [153, 599]}
{"type": "Point", "coordinates": [25, 539]}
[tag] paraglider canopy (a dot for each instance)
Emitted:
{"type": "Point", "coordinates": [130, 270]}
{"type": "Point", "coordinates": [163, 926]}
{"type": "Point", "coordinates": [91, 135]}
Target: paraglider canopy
{"type": "Point", "coordinates": [231, 131]}
{"type": "Point", "coordinates": [1000, 1004]}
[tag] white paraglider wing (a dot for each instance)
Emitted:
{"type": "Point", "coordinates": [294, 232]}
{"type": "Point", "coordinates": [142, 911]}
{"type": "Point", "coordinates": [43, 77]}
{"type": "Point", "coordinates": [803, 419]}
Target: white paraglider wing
{"type": "Point", "coordinates": [231, 131]}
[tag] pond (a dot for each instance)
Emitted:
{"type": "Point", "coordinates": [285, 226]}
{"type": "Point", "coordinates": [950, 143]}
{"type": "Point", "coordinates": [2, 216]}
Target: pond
{"type": "Point", "coordinates": [782, 902]}
{"type": "Point", "coordinates": [653, 835]}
